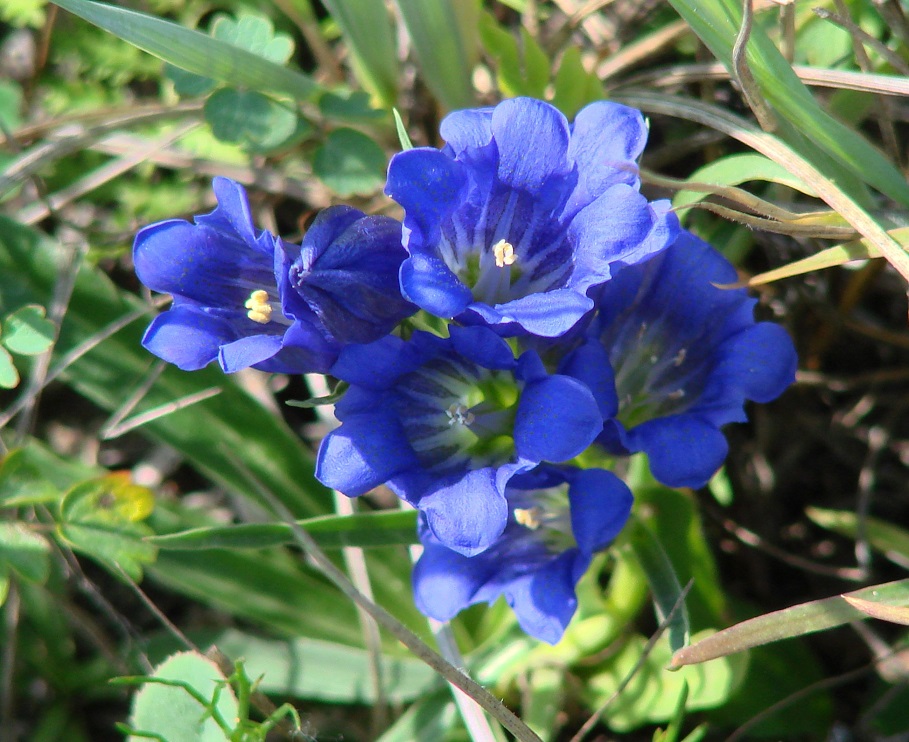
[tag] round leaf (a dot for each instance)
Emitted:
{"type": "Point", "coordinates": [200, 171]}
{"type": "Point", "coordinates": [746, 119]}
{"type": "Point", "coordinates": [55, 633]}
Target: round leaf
{"type": "Point", "coordinates": [9, 376]}
{"type": "Point", "coordinates": [250, 118]}
{"type": "Point", "coordinates": [350, 163]}
{"type": "Point", "coordinates": [175, 712]}
{"type": "Point", "coordinates": [27, 332]}
{"type": "Point", "coordinates": [256, 34]}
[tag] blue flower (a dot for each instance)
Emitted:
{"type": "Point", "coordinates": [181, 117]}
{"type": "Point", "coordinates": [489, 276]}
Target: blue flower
{"type": "Point", "coordinates": [520, 215]}
{"type": "Point", "coordinates": [246, 298]}
{"type": "Point", "coordinates": [537, 561]}
{"type": "Point", "coordinates": [446, 423]}
{"type": "Point", "coordinates": [672, 358]}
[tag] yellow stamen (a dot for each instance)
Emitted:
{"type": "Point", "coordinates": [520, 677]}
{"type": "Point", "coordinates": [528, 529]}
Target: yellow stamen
{"type": "Point", "coordinates": [531, 518]}
{"type": "Point", "coordinates": [259, 307]}
{"type": "Point", "coordinates": [504, 253]}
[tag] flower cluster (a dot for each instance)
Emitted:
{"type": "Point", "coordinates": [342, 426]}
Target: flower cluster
{"type": "Point", "coordinates": [579, 316]}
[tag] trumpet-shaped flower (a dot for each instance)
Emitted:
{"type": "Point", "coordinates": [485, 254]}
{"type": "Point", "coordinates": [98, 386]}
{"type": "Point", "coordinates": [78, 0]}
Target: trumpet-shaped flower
{"type": "Point", "coordinates": [557, 520]}
{"type": "Point", "coordinates": [672, 357]}
{"type": "Point", "coordinates": [520, 215]}
{"type": "Point", "coordinates": [246, 298]}
{"type": "Point", "coordinates": [447, 422]}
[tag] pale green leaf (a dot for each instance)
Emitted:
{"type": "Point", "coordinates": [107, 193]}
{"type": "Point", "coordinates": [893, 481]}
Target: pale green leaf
{"type": "Point", "coordinates": [27, 332]}
{"type": "Point", "coordinates": [9, 376]}
{"type": "Point", "coordinates": [175, 713]}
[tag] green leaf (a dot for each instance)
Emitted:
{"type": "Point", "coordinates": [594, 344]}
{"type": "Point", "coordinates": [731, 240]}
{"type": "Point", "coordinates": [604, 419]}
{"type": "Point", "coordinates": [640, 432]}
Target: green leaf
{"type": "Point", "coordinates": [522, 67]}
{"type": "Point", "coordinates": [353, 106]}
{"type": "Point", "coordinates": [444, 38]}
{"type": "Point", "coordinates": [175, 713]}
{"type": "Point", "coordinates": [350, 163]}
{"type": "Point", "coordinates": [101, 519]}
{"type": "Point", "coordinates": [368, 33]}
{"type": "Point", "coordinates": [805, 618]}
{"type": "Point", "coordinates": [382, 528]}
{"type": "Point", "coordinates": [250, 118]}
{"type": "Point", "coordinates": [188, 85]}
{"type": "Point", "coordinates": [574, 87]}
{"type": "Point", "coordinates": [431, 717]}
{"type": "Point", "coordinates": [24, 552]}
{"type": "Point", "coordinates": [664, 584]}
{"type": "Point", "coordinates": [841, 152]}
{"type": "Point", "coordinates": [403, 136]}
{"type": "Point", "coordinates": [9, 376]}
{"type": "Point", "coordinates": [652, 695]}
{"type": "Point", "coordinates": [194, 51]}
{"type": "Point", "coordinates": [22, 482]}
{"type": "Point", "coordinates": [27, 332]}
{"type": "Point", "coordinates": [256, 34]}
{"type": "Point", "coordinates": [286, 668]}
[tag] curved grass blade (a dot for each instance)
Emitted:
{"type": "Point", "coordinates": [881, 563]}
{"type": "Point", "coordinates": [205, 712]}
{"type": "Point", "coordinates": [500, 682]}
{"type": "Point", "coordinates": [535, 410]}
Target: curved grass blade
{"type": "Point", "coordinates": [806, 618]}
{"type": "Point", "coordinates": [809, 127]}
{"type": "Point", "coordinates": [194, 51]}
{"type": "Point", "coordinates": [777, 150]}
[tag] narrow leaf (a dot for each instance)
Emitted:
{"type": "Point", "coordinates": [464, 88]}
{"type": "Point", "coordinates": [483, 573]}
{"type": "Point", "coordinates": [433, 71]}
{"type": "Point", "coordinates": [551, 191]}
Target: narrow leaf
{"type": "Point", "coordinates": [809, 128]}
{"type": "Point", "coordinates": [194, 51]}
{"type": "Point", "coordinates": [888, 538]}
{"type": "Point", "coordinates": [385, 528]}
{"type": "Point", "coordinates": [891, 613]}
{"type": "Point", "coordinates": [664, 584]}
{"type": "Point", "coordinates": [806, 618]}
{"type": "Point", "coordinates": [444, 37]}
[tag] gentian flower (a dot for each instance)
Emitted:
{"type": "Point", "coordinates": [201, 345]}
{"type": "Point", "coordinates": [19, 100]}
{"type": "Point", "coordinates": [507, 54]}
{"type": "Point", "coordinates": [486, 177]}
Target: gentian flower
{"type": "Point", "coordinates": [671, 358]}
{"type": "Point", "coordinates": [446, 423]}
{"type": "Point", "coordinates": [539, 558]}
{"type": "Point", "coordinates": [520, 215]}
{"type": "Point", "coordinates": [244, 297]}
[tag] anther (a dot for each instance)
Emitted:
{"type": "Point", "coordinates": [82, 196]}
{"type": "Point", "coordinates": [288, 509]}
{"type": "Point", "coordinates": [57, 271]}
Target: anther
{"type": "Point", "coordinates": [677, 394]}
{"type": "Point", "coordinates": [504, 253]}
{"type": "Point", "coordinates": [531, 518]}
{"type": "Point", "coordinates": [458, 414]}
{"type": "Point", "coordinates": [680, 357]}
{"type": "Point", "coordinates": [259, 307]}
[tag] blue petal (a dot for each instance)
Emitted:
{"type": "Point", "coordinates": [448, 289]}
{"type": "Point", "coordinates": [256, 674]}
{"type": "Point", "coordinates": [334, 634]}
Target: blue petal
{"type": "Point", "coordinates": [557, 419]}
{"type": "Point", "coordinates": [760, 362]}
{"type": "Point", "coordinates": [606, 140]}
{"type": "Point", "coordinates": [186, 337]}
{"type": "Point", "coordinates": [376, 365]}
{"type": "Point", "coordinates": [430, 284]}
{"type": "Point", "coordinates": [519, 123]}
{"type": "Point", "coordinates": [467, 129]}
{"type": "Point", "coordinates": [444, 581]}
{"type": "Point", "coordinates": [544, 600]}
{"type": "Point", "coordinates": [590, 364]}
{"type": "Point", "coordinates": [546, 314]}
{"type": "Point", "coordinates": [367, 450]}
{"type": "Point", "coordinates": [600, 506]}
{"type": "Point", "coordinates": [684, 450]}
{"type": "Point", "coordinates": [481, 345]}
{"type": "Point", "coordinates": [232, 214]}
{"type": "Point", "coordinates": [467, 514]}
{"type": "Point", "coordinates": [619, 228]}
{"type": "Point", "coordinates": [428, 184]}
{"type": "Point", "coordinates": [249, 351]}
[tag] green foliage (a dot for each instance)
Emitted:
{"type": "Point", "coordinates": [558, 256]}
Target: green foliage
{"type": "Point", "coordinates": [102, 518]}
{"type": "Point", "coordinates": [350, 163]}
{"type": "Point", "coordinates": [23, 553]}
{"type": "Point", "coordinates": [23, 12]}
{"type": "Point", "coordinates": [25, 332]}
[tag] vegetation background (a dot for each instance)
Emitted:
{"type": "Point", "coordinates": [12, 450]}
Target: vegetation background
{"type": "Point", "coordinates": [145, 511]}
